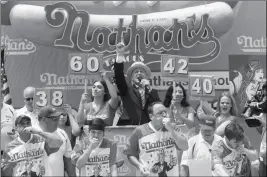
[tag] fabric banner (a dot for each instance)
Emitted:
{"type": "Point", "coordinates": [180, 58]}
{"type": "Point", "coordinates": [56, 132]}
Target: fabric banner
{"type": "Point", "coordinates": [29, 63]}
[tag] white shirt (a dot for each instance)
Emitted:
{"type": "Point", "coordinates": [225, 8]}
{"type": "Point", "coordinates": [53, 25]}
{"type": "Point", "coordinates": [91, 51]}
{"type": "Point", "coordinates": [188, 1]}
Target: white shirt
{"type": "Point", "coordinates": [7, 114]}
{"type": "Point", "coordinates": [65, 150]}
{"type": "Point", "coordinates": [33, 115]}
{"type": "Point", "coordinates": [198, 148]}
{"type": "Point", "coordinates": [7, 123]}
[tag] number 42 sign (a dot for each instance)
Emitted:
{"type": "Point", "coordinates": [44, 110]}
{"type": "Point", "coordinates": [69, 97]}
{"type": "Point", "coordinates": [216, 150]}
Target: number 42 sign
{"type": "Point", "coordinates": [201, 87]}
{"type": "Point", "coordinates": [44, 97]}
{"type": "Point", "coordinates": [174, 66]}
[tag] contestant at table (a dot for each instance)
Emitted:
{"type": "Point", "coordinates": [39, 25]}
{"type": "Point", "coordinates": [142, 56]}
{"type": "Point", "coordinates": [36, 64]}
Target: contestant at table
{"type": "Point", "coordinates": [95, 155]}
{"type": "Point", "coordinates": [136, 92]}
{"type": "Point", "coordinates": [200, 145]}
{"type": "Point", "coordinates": [232, 155]}
{"type": "Point", "coordinates": [30, 142]}
{"type": "Point", "coordinates": [153, 146]}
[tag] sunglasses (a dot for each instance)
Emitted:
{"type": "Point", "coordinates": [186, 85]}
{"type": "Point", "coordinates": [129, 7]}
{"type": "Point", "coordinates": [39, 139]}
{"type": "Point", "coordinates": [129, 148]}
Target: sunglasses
{"type": "Point", "coordinates": [28, 99]}
{"type": "Point", "coordinates": [53, 118]}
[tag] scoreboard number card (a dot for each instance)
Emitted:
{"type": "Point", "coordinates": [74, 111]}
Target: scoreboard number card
{"type": "Point", "coordinates": [201, 87]}
{"type": "Point", "coordinates": [175, 67]}
{"type": "Point", "coordinates": [44, 97]}
{"type": "Point", "coordinates": [85, 64]}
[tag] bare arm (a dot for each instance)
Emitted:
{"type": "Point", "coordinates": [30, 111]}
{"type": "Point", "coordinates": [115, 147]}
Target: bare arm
{"type": "Point", "coordinates": [69, 167]}
{"type": "Point", "coordinates": [188, 121]}
{"type": "Point", "coordinates": [74, 126]}
{"type": "Point", "coordinates": [75, 129]}
{"type": "Point", "coordinates": [252, 154]}
{"type": "Point", "coordinates": [134, 161]}
{"type": "Point", "coordinates": [81, 115]}
{"type": "Point", "coordinates": [52, 140]}
{"type": "Point", "coordinates": [114, 100]}
{"type": "Point", "coordinates": [113, 170]}
{"type": "Point", "coordinates": [180, 141]}
{"type": "Point", "coordinates": [220, 130]}
{"type": "Point", "coordinates": [83, 158]}
{"type": "Point", "coordinates": [81, 112]}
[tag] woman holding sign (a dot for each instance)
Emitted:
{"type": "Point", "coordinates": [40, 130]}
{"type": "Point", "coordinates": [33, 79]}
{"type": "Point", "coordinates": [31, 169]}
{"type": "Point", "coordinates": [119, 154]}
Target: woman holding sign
{"type": "Point", "coordinates": [101, 106]}
{"type": "Point", "coordinates": [180, 110]}
{"type": "Point", "coordinates": [227, 110]}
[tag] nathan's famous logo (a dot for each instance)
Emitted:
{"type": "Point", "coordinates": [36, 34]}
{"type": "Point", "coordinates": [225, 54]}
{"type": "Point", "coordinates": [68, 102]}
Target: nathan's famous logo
{"type": "Point", "coordinates": [158, 144]}
{"type": "Point", "coordinates": [99, 158]}
{"type": "Point", "coordinates": [232, 163]}
{"type": "Point", "coordinates": [33, 153]}
{"type": "Point", "coordinates": [177, 39]}
{"type": "Point", "coordinates": [17, 46]}
{"type": "Point", "coordinates": [252, 45]}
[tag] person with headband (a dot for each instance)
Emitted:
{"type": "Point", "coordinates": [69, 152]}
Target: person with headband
{"type": "Point", "coordinates": [152, 148]}
{"type": "Point", "coordinates": [95, 149]}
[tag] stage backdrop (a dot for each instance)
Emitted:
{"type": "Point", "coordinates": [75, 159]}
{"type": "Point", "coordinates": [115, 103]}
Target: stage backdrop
{"type": "Point", "coordinates": [28, 63]}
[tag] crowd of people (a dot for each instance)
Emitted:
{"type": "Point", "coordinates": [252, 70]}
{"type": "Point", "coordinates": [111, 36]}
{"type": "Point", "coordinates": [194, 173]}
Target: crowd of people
{"type": "Point", "coordinates": [52, 142]}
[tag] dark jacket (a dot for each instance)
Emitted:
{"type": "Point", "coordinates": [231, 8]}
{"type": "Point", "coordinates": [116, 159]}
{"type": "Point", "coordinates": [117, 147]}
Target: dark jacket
{"type": "Point", "coordinates": [132, 99]}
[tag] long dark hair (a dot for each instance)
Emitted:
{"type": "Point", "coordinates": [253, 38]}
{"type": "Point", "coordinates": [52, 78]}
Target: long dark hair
{"type": "Point", "coordinates": [106, 92]}
{"type": "Point", "coordinates": [168, 96]}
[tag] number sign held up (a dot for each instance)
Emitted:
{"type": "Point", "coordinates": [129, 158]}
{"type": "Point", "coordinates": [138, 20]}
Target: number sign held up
{"type": "Point", "coordinates": [201, 87]}
{"type": "Point", "coordinates": [85, 64]}
{"type": "Point", "coordinates": [44, 97]}
{"type": "Point", "coordinates": [175, 67]}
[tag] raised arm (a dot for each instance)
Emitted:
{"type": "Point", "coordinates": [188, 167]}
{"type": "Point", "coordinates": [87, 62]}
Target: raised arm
{"type": "Point", "coordinates": [51, 139]}
{"type": "Point", "coordinates": [114, 100]}
{"type": "Point", "coordinates": [75, 129]}
{"type": "Point", "coordinates": [220, 129]}
{"type": "Point", "coordinates": [180, 141]}
{"type": "Point", "coordinates": [118, 70]}
{"type": "Point", "coordinates": [81, 111]}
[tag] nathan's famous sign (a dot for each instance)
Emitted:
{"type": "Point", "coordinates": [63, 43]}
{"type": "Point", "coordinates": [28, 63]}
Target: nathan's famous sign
{"type": "Point", "coordinates": [177, 39]}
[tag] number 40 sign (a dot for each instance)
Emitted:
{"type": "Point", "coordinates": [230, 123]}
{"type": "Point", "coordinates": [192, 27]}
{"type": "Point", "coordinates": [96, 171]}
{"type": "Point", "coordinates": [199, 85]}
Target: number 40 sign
{"type": "Point", "coordinates": [44, 97]}
{"type": "Point", "coordinates": [201, 87]}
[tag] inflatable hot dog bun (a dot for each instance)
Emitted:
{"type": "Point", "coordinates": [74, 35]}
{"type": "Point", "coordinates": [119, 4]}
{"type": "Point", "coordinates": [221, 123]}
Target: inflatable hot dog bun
{"type": "Point", "coordinates": [30, 20]}
{"type": "Point", "coordinates": [110, 7]}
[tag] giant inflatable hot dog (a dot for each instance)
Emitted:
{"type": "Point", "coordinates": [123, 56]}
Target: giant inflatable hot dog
{"type": "Point", "coordinates": [42, 24]}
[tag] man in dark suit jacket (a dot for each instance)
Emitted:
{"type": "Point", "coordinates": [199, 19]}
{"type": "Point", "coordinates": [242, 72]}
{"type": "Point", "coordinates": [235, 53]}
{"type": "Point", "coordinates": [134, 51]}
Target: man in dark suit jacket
{"type": "Point", "coordinates": [136, 94]}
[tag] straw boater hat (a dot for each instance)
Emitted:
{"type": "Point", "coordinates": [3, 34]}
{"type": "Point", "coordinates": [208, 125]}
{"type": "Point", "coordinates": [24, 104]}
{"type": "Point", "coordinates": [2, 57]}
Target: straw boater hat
{"type": "Point", "coordinates": [137, 65]}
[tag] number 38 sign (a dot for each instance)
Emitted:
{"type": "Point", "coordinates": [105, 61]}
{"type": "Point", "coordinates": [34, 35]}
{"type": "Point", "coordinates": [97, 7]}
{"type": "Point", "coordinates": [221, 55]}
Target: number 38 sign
{"type": "Point", "coordinates": [44, 97]}
{"type": "Point", "coordinates": [201, 87]}
{"type": "Point", "coordinates": [174, 66]}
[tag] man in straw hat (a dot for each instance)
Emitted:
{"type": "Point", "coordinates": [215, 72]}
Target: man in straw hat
{"type": "Point", "coordinates": [136, 94]}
